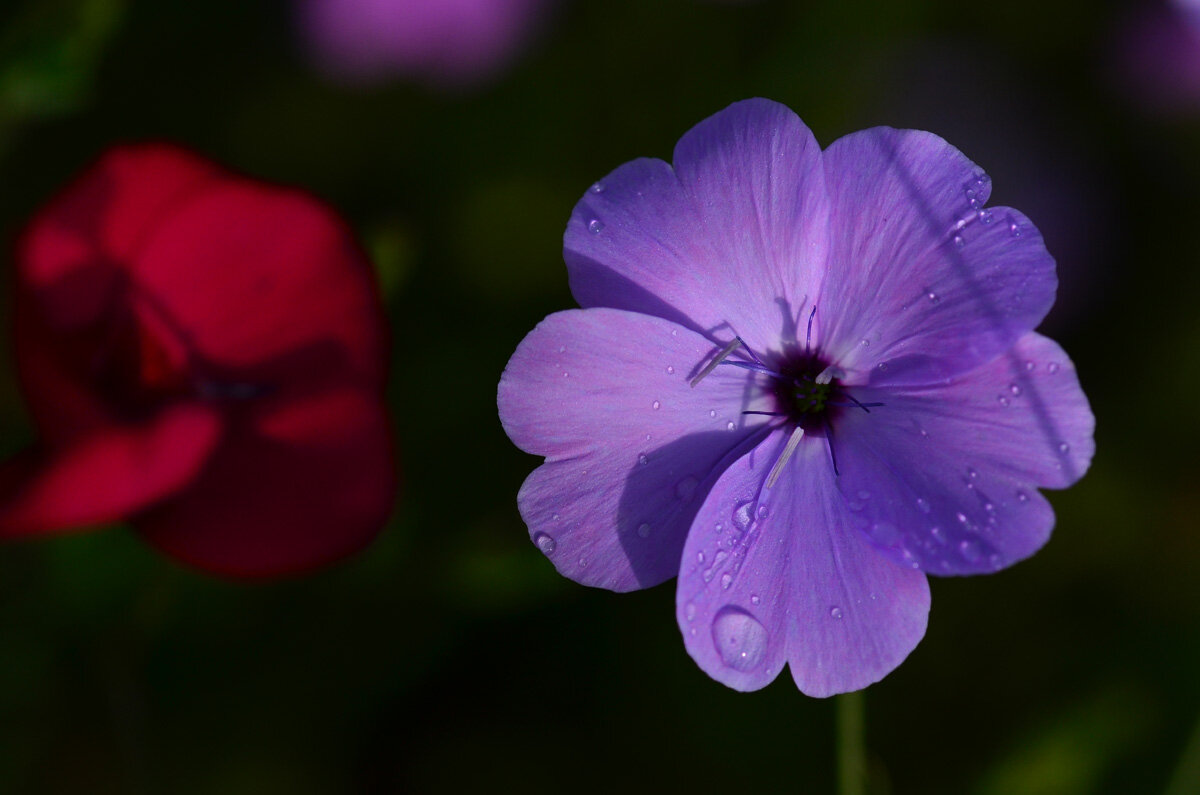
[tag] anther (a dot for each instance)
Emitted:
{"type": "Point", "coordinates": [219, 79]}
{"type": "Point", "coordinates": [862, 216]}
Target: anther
{"type": "Point", "coordinates": [792, 442]}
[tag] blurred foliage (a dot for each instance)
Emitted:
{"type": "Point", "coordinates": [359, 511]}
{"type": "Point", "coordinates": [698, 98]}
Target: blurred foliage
{"type": "Point", "coordinates": [450, 656]}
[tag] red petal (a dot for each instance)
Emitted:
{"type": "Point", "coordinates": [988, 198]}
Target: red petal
{"type": "Point", "coordinates": [310, 482]}
{"type": "Point", "coordinates": [106, 475]}
{"type": "Point", "coordinates": [254, 273]}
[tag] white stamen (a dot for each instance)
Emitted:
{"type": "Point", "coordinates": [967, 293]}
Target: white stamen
{"type": "Point", "coordinates": [720, 357]}
{"type": "Point", "coordinates": [788, 449]}
{"type": "Point", "coordinates": [827, 375]}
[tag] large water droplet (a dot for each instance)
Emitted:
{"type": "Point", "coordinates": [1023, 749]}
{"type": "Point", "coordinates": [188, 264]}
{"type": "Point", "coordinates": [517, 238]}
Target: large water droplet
{"type": "Point", "coordinates": [595, 226]}
{"type": "Point", "coordinates": [656, 405]}
{"type": "Point", "coordinates": [643, 459]}
{"type": "Point", "coordinates": [545, 543]}
{"type": "Point", "coordinates": [726, 581]}
{"type": "Point", "coordinates": [712, 412]}
{"type": "Point", "coordinates": [986, 217]}
{"type": "Point", "coordinates": [729, 426]}
{"type": "Point", "coordinates": [958, 241]}
{"type": "Point", "coordinates": [643, 530]}
{"type": "Point", "coordinates": [690, 611]}
{"type": "Point", "coordinates": [835, 612]}
{"type": "Point", "coordinates": [762, 512]}
{"type": "Point", "coordinates": [741, 516]}
{"type": "Point", "coordinates": [739, 639]}
{"type": "Point", "coordinates": [754, 599]}
{"type": "Point", "coordinates": [670, 370]}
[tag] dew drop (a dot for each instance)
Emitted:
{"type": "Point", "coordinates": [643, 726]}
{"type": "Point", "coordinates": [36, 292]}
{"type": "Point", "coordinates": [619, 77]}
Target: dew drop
{"type": "Point", "coordinates": [597, 187]}
{"type": "Point", "coordinates": [545, 543]}
{"type": "Point", "coordinates": [754, 599]}
{"type": "Point", "coordinates": [958, 241]}
{"type": "Point", "coordinates": [962, 518]}
{"type": "Point", "coordinates": [741, 516]}
{"type": "Point", "coordinates": [1014, 228]}
{"type": "Point", "coordinates": [656, 405]}
{"type": "Point", "coordinates": [649, 437]}
{"type": "Point", "coordinates": [1052, 367]}
{"type": "Point", "coordinates": [729, 426]}
{"type": "Point", "coordinates": [971, 473]}
{"type": "Point", "coordinates": [938, 535]}
{"type": "Point", "coordinates": [933, 297]}
{"type": "Point", "coordinates": [739, 639]}
{"type": "Point", "coordinates": [690, 611]}
{"type": "Point", "coordinates": [882, 367]}
{"type": "Point", "coordinates": [595, 226]}
{"type": "Point", "coordinates": [1016, 390]}
{"type": "Point", "coordinates": [712, 412]}
{"type": "Point", "coordinates": [1064, 447]}
{"type": "Point", "coordinates": [923, 504]}
{"type": "Point", "coordinates": [1022, 496]}
{"type": "Point", "coordinates": [643, 460]}
{"type": "Point", "coordinates": [700, 557]}
{"type": "Point", "coordinates": [866, 343]}
{"type": "Point", "coordinates": [726, 581]}
{"type": "Point", "coordinates": [1003, 401]}
{"type": "Point", "coordinates": [685, 488]}
{"type": "Point", "coordinates": [986, 217]}
{"type": "Point", "coordinates": [995, 561]}
{"type": "Point", "coordinates": [1029, 367]}
{"type": "Point", "coordinates": [835, 612]}
{"type": "Point", "coordinates": [970, 550]}
{"type": "Point", "coordinates": [643, 530]}
{"type": "Point", "coordinates": [670, 370]}
{"type": "Point", "coordinates": [583, 562]}
{"type": "Point", "coordinates": [762, 512]}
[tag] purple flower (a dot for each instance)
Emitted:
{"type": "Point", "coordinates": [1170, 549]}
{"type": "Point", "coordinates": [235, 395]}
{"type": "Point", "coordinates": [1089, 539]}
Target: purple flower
{"type": "Point", "coordinates": [801, 381]}
{"type": "Point", "coordinates": [437, 41]}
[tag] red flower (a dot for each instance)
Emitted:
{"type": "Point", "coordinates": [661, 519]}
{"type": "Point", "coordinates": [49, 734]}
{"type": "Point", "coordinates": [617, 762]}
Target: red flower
{"type": "Point", "coordinates": [203, 355]}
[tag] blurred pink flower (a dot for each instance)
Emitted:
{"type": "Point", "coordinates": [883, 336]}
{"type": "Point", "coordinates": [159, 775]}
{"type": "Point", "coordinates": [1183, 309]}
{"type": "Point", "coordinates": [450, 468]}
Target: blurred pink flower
{"type": "Point", "coordinates": [442, 42]}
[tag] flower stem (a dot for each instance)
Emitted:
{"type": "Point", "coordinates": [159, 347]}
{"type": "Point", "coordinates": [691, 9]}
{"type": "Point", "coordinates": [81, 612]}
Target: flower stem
{"type": "Point", "coordinates": [851, 750]}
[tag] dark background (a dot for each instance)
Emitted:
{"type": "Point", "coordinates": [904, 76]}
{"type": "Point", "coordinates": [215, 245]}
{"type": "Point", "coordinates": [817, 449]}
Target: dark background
{"type": "Point", "coordinates": [450, 656]}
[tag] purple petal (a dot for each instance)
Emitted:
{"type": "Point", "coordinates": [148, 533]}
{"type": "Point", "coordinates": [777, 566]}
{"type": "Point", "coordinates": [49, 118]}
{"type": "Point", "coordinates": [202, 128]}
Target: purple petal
{"type": "Point", "coordinates": [946, 477]}
{"type": "Point", "coordinates": [732, 240]}
{"type": "Point", "coordinates": [779, 574]}
{"type": "Point", "coordinates": [924, 281]}
{"type": "Point", "coordinates": [631, 448]}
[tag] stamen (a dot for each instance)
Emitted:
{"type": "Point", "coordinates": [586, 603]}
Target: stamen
{"type": "Point", "coordinates": [720, 357]}
{"type": "Point", "coordinates": [753, 355]}
{"type": "Point", "coordinates": [808, 337]}
{"type": "Point", "coordinates": [756, 368]}
{"type": "Point", "coordinates": [767, 413]}
{"type": "Point", "coordinates": [855, 404]}
{"type": "Point", "coordinates": [788, 449]}
{"type": "Point", "coordinates": [826, 375]}
{"type": "Point", "coordinates": [829, 444]}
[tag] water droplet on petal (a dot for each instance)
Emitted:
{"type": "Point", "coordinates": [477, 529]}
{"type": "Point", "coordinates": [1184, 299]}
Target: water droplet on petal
{"type": "Point", "coordinates": [690, 611]}
{"type": "Point", "coordinates": [962, 517]}
{"type": "Point", "coordinates": [882, 367]}
{"type": "Point", "coordinates": [1064, 447]}
{"type": "Point", "coordinates": [712, 412]}
{"type": "Point", "coordinates": [835, 612]}
{"type": "Point", "coordinates": [685, 488]}
{"type": "Point", "coordinates": [545, 543]}
{"type": "Point", "coordinates": [933, 297]}
{"type": "Point", "coordinates": [649, 437]}
{"type": "Point", "coordinates": [971, 473]}
{"type": "Point", "coordinates": [595, 226]}
{"type": "Point", "coordinates": [866, 343]}
{"type": "Point", "coordinates": [730, 426]}
{"type": "Point", "coordinates": [643, 459]}
{"type": "Point", "coordinates": [1022, 496]}
{"type": "Point", "coordinates": [958, 241]}
{"type": "Point", "coordinates": [670, 370]}
{"type": "Point", "coordinates": [554, 518]}
{"type": "Point", "coordinates": [699, 557]}
{"type": "Point", "coordinates": [1002, 400]}
{"type": "Point", "coordinates": [643, 530]}
{"type": "Point", "coordinates": [1029, 367]}
{"type": "Point", "coordinates": [1052, 367]}
{"type": "Point", "coordinates": [970, 550]}
{"type": "Point", "coordinates": [597, 187]}
{"type": "Point", "coordinates": [754, 599]}
{"type": "Point", "coordinates": [762, 512]}
{"type": "Point", "coordinates": [741, 516]}
{"type": "Point", "coordinates": [739, 639]}
{"type": "Point", "coordinates": [656, 405]}
{"type": "Point", "coordinates": [1016, 390]}
{"type": "Point", "coordinates": [923, 504]}
{"type": "Point", "coordinates": [986, 217]}
{"type": "Point", "coordinates": [726, 581]}
{"type": "Point", "coordinates": [995, 561]}
{"type": "Point", "coordinates": [938, 535]}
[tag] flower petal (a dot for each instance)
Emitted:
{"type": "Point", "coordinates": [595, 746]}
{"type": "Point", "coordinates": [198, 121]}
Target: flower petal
{"type": "Point", "coordinates": [779, 574]}
{"type": "Point", "coordinates": [68, 255]}
{"type": "Point", "coordinates": [946, 476]}
{"type": "Point", "coordinates": [285, 276]}
{"type": "Point", "coordinates": [307, 481]}
{"type": "Point", "coordinates": [106, 475]}
{"type": "Point", "coordinates": [732, 240]}
{"type": "Point", "coordinates": [631, 448]}
{"type": "Point", "coordinates": [924, 282]}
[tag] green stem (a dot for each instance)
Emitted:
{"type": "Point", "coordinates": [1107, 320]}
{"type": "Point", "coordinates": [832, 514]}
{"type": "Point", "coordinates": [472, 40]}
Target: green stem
{"type": "Point", "coordinates": [851, 750]}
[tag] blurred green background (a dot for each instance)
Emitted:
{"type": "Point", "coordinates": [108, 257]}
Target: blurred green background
{"type": "Point", "coordinates": [450, 656]}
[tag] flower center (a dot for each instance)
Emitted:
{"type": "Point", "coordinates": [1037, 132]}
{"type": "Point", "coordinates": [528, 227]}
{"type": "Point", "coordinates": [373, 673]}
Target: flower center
{"type": "Point", "coordinates": [804, 390]}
